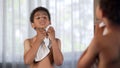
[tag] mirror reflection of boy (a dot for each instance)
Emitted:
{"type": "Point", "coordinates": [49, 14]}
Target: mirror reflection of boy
{"type": "Point", "coordinates": [40, 20]}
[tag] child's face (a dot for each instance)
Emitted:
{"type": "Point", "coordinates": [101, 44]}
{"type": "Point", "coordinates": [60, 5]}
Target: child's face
{"type": "Point", "coordinates": [99, 13]}
{"type": "Point", "coordinates": [41, 20]}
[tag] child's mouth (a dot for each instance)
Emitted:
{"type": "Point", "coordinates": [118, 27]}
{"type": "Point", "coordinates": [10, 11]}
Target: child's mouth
{"type": "Point", "coordinates": [42, 23]}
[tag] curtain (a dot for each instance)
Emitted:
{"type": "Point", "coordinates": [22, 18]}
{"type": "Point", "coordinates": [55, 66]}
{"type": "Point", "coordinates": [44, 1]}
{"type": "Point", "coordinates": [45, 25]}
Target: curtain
{"type": "Point", "coordinates": [72, 20]}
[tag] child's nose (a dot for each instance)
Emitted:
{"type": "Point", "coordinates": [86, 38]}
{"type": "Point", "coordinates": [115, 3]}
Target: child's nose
{"type": "Point", "coordinates": [41, 18]}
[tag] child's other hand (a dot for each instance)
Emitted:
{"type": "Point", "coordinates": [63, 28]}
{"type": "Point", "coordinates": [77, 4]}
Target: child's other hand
{"type": "Point", "coordinates": [41, 33]}
{"type": "Point", "coordinates": [51, 33]}
{"type": "Point", "coordinates": [98, 32]}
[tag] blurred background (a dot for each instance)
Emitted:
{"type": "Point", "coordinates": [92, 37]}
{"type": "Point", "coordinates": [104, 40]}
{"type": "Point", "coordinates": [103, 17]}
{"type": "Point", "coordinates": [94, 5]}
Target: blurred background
{"type": "Point", "coordinates": [73, 21]}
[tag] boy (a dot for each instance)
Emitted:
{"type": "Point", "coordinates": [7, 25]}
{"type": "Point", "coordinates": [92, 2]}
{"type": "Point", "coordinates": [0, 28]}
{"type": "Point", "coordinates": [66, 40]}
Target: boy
{"type": "Point", "coordinates": [104, 48]}
{"type": "Point", "coordinates": [40, 20]}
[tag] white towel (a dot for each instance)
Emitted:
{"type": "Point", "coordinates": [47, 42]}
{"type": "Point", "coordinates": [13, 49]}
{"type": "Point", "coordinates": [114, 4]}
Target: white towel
{"type": "Point", "coordinates": [43, 50]}
{"type": "Point", "coordinates": [105, 29]}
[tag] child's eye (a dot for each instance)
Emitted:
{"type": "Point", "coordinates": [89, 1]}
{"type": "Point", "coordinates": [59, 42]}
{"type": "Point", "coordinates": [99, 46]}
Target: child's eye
{"type": "Point", "coordinates": [37, 17]}
{"type": "Point", "coordinates": [45, 17]}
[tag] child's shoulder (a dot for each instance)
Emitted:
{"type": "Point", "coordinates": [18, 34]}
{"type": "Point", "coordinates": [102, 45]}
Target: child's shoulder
{"type": "Point", "coordinates": [27, 41]}
{"type": "Point", "coordinates": [57, 39]}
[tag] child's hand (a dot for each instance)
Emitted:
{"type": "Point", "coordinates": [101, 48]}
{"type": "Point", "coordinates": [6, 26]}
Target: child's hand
{"type": "Point", "coordinates": [41, 33]}
{"type": "Point", "coordinates": [98, 32]}
{"type": "Point", "coordinates": [51, 33]}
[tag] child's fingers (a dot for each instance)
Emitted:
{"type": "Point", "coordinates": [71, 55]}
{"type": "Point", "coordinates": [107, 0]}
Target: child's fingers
{"type": "Point", "coordinates": [52, 29]}
{"type": "Point", "coordinates": [98, 29]}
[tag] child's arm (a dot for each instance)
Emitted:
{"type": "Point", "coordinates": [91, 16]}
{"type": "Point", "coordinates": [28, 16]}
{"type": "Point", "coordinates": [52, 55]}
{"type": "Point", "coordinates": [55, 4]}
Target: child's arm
{"type": "Point", "coordinates": [89, 56]}
{"type": "Point", "coordinates": [83, 53]}
{"type": "Point", "coordinates": [31, 51]}
{"type": "Point", "coordinates": [57, 54]}
{"type": "Point", "coordinates": [56, 47]}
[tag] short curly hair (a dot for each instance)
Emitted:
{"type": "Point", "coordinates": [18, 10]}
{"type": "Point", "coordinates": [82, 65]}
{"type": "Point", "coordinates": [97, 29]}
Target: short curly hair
{"type": "Point", "coordinates": [36, 10]}
{"type": "Point", "coordinates": [111, 10]}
